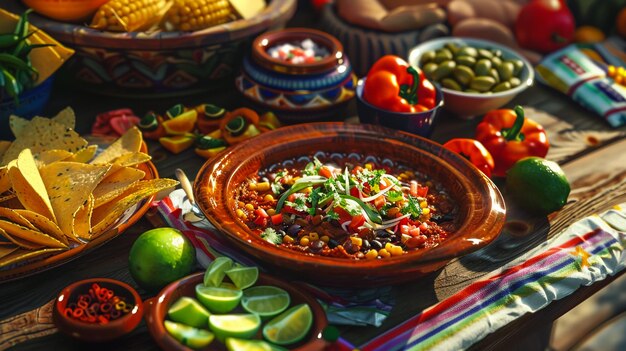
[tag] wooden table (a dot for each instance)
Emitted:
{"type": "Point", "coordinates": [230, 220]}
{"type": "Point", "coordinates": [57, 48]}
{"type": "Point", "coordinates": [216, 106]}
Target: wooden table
{"type": "Point", "coordinates": [595, 164]}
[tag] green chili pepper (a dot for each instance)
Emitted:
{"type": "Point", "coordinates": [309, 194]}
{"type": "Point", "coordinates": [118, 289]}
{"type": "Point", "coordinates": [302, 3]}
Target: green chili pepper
{"type": "Point", "coordinates": [11, 86]}
{"type": "Point", "coordinates": [8, 40]}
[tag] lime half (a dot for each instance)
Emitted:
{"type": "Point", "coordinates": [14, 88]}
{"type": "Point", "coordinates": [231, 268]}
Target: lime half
{"type": "Point", "coordinates": [189, 336]}
{"type": "Point", "coordinates": [242, 326]}
{"type": "Point", "coordinates": [243, 277]}
{"type": "Point", "coordinates": [215, 271]}
{"type": "Point", "coordinates": [233, 344]}
{"type": "Point", "coordinates": [290, 326]}
{"type": "Point", "coordinates": [189, 311]}
{"type": "Point", "coordinates": [266, 301]}
{"type": "Point", "coordinates": [218, 300]}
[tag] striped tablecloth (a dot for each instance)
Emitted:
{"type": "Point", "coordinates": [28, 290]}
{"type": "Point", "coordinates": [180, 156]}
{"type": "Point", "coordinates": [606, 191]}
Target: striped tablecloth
{"type": "Point", "coordinates": [586, 252]}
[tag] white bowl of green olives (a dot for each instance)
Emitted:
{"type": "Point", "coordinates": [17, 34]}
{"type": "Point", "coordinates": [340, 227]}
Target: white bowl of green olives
{"type": "Point", "coordinates": [476, 76]}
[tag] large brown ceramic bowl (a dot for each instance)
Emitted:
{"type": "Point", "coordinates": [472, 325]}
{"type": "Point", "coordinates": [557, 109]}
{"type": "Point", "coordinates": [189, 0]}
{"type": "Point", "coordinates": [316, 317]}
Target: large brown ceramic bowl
{"type": "Point", "coordinates": [156, 313]}
{"type": "Point", "coordinates": [479, 220]}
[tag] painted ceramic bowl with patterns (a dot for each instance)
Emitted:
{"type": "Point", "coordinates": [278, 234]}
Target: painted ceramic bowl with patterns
{"type": "Point", "coordinates": [300, 73]}
{"type": "Point", "coordinates": [153, 64]}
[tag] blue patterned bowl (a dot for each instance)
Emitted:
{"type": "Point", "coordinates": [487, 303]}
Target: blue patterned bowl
{"type": "Point", "coordinates": [297, 92]}
{"type": "Point", "coordinates": [420, 123]}
{"type": "Point", "coordinates": [31, 103]}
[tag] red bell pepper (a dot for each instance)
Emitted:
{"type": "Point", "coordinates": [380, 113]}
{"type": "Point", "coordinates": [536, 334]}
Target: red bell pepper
{"type": "Point", "coordinates": [474, 151]}
{"type": "Point", "coordinates": [510, 137]}
{"type": "Point", "coordinates": [392, 84]}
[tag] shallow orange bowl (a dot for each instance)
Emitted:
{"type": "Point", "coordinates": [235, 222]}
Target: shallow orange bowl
{"type": "Point", "coordinates": [479, 220]}
{"type": "Point", "coordinates": [156, 312]}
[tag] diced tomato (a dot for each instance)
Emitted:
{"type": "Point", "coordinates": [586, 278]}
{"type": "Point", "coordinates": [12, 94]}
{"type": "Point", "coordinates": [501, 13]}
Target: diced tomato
{"type": "Point", "coordinates": [289, 209]}
{"type": "Point", "coordinates": [259, 212]}
{"type": "Point", "coordinates": [356, 222]}
{"type": "Point", "coordinates": [344, 216]}
{"type": "Point", "coordinates": [422, 191]}
{"type": "Point", "coordinates": [404, 229]}
{"type": "Point", "coordinates": [355, 192]}
{"type": "Point", "coordinates": [379, 202]}
{"type": "Point", "coordinates": [356, 169]}
{"type": "Point", "coordinates": [414, 231]}
{"type": "Point", "coordinates": [423, 226]}
{"type": "Point", "coordinates": [261, 221]}
{"type": "Point", "coordinates": [291, 198]}
{"type": "Point", "coordinates": [325, 172]}
{"type": "Point", "coordinates": [403, 221]}
{"type": "Point", "coordinates": [277, 219]}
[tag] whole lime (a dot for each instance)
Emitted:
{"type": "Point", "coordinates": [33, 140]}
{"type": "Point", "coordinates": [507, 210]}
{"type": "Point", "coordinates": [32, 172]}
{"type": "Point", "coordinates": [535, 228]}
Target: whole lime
{"type": "Point", "coordinates": [538, 185]}
{"type": "Point", "coordinates": [159, 257]}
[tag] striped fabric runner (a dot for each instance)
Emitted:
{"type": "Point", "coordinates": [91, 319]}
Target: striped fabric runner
{"type": "Point", "coordinates": [586, 252]}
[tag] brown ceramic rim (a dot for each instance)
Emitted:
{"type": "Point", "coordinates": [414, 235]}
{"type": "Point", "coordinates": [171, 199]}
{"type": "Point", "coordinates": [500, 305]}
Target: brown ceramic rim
{"type": "Point", "coordinates": [66, 256]}
{"type": "Point", "coordinates": [268, 40]}
{"type": "Point", "coordinates": [482, 221]}
{"type": "Point", "coordinates": [114, 328]}
{"type": "Point", "coordinates": [156, 310]}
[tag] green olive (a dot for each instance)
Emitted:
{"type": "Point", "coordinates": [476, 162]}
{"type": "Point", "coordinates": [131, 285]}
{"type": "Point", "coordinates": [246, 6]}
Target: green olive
{"type": "Point", "coordinates": [501, 87]}
{"type": "Point", "coordinates": [452, 47]}
{"type": "Point", "coordinates": [515, 82]}
{"type": "Point", "coordinates": [463, 74]}
{"type": "Point", "coordinates": [494, 73]}
{"type": "Point", "coordinates": [482, 67]}
{"type": "Point", "coordinates": [482, 83]}
{"type": "Point", "coordinates": [518, 65]}
{"type": "Point", "coordinates": [505, 70]}
{"type": "Point", "coordinates": [427, 57]}
{"type": "Point", "coordinates": [465, 60]}
{"type": "Point", "coordinates": [429, 68]}
{"type": "Point", "coordinates": [484, 53]}
{"type": "Point", "coordinates": [468, 51]}
{"type": "Point", "coordinates": [470, 90]}
{"type": "Point", "coordinates": [444, 70]}
{"type": "Point", "coordinates": [496, 61]}
{"type": "Point", "coordinates": [496, 52]}
{"type": "Point", "coordinates": [443, 55]}
{"type": "Point", "coordinates": [451, 84]}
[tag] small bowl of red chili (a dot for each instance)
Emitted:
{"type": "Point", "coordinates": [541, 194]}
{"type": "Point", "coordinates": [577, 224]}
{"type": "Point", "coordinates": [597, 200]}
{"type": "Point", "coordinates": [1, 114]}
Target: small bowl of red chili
{"type": "Point", "coordinates": [97, 309]}
{"type": "Point", "coordinates": [349, 205]}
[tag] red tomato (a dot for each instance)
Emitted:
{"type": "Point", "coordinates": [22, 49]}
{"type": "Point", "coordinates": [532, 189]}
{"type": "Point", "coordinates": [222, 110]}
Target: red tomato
{"type": "Point", "coordinates": [544, 25]}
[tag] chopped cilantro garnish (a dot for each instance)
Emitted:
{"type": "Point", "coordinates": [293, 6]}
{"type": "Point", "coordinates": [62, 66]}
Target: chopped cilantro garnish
{"type": "Point", "coordinates": [412, 207]}
{"type": "Point", "coordinates": [314, 198]}
{"type": "Point", "coordinates": [270, 235]}
{"type": "Point", "coordinates": [394, 196]}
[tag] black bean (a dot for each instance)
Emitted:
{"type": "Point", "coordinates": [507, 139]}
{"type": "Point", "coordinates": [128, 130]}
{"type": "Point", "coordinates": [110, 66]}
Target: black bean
{"type": "Point", "coordinates": [293, 229]}
{"type": "Point", "coordinates": [366, 245]}
{"type": "Point", "coordinates": [316, 246]}
{"type": "Point", "coordinates": [332, 243]}
{"type": "Point", "coordinates": [376, 244]}
{"type": "Point", "coordinates": [382, 234]}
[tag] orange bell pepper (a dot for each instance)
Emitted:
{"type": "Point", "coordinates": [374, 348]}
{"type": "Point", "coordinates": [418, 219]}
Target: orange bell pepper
{"type": "Point", "coordinates": [474, 151]}
{"type": "Point", "coordinates": [510, 137]}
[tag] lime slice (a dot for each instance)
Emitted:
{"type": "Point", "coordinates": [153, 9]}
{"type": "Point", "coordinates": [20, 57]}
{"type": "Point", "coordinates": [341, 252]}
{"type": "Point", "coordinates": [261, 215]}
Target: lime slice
{"type": "Point", "coordinates": [290, 326]}
{"type": "Point", "coordinates": [215, 271]}
{"type": "Point", "coordinates": [242, 326]}
{"type": "Point", "coordinates": [189, 311]}
{"type": "Point", "coordinates": [227, 285]}
{"type": "Point", "coordinates": [218, 300]}
{"type": "Point", "coordinates": [243, 277]}
{"type": "Point", "coordinates": [233, 344]}
{"type": "Point", "coordinates": [189, 336]}
{"type": "Point", "coordinates": [266, 301]}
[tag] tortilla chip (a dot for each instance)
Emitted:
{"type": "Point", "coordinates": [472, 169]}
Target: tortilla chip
{"type": "Point", "coordinates": [69, 185]}
{"type": "Point", "coordinates": [4, 146]}
{"type": "Point", "coordinates": [114, 184]}
{"type": "Point", "coordinates": [84, 155]}
{"type": "Point", "coordinates": [10, 200]}
{"type": "Point", "coordinates": [5, 181]}
{"type": "Point", "coordinates": [18, 125]}
{"type": "Point", "coordinates": [107, 214]}
{"type": "Point", "coordinates": [66, 117]}
{"type": "Point", "coordinates": [34, 236]}
{"type": "Point", "coordinates": [82, 219]}
{"type": "Point", "coordinates": [44, 225]}
{"type": "Point", "coordinates": [23, 255]}
{"type": "Point", "coordinates": [12, 216]}
{"type": "Point", "coordinates": [44, 134]}
{"type": "Point", "coordinates": [129, 142]}
{"type": "Point", "coordinates": [50, 156]}
{"type": "Point", "coordinates": [19, 241]}
{"type": "Point", "coordinates": [6, 250]}
{"type": "Point", "coordinates": [132, 159]}
{"type": "Point", "coordinates": [29, 186]}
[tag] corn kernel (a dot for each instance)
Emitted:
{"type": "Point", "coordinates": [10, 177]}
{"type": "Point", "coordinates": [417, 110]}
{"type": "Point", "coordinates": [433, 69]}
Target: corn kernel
{"type": "Point", "coordinates": [612, 70]}
{"type": "Point", "coordinates": [368, 166]}
{"type": "Point", "coordinates": [240, 213]}
{"type": "Point", "coordinates": [356, 240]}
{"type": "Point", "coordinates": [325, 238]}
{"type": "Point", "coordinates": [249, 207]}
{"type": "Point", "coordinates": [314, 236]}
{"type": "Point", "coordinates": [240, 203]}
{"type": "Point", "coordinates": [271, 211]}
{"type": "Point", "coordinates": [426, 211]}
{"type": "Point", "coordinates": [263, 186]}
{"type": "Point", "coordinates": [388, 246]}
{"type": "Point", "coordinates": [396, 251]}
{"type": "Point", "coordinates": [371, 254]}
{"type": "Point", "coordinates": [383, 253]}
{"type": "Point", "coordinates": [252, 186]}
{"type": "Point", "coordinates": [423, 204]}
{"type": "Point", "coordinates": [268, 198]}
{"type": "Point", "coordinates": [288, 239]}
{"type": "Point", "coordinates": [128, 16]}
{"type": "Point", "coordinates": [304, 241]}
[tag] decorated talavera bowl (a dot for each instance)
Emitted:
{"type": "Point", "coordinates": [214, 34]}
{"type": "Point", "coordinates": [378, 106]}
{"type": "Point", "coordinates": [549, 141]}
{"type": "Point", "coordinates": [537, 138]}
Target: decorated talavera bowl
{"type": "Point", "coordinates": [480, 216]}
{"type": "Point", "coordinates": [30, 103]}
{"type": "Point", "coordinates": [297, 92]}
{"type": "Point", "coordinates": [161, 63]}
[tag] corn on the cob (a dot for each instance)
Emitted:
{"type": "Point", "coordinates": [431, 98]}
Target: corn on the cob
{"type": "Point", "coordinates": [130, 15]}
{"type": "Point", "coordinates": [191, 15]}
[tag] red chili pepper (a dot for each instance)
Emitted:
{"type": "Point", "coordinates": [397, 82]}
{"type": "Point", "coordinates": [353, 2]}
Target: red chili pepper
{"type": "Point", "coordinates": [509, 137]}
{"type": "Point", "coordinates": [394, 85]}
{"type": "Point", "coordinates": [474, 151]}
